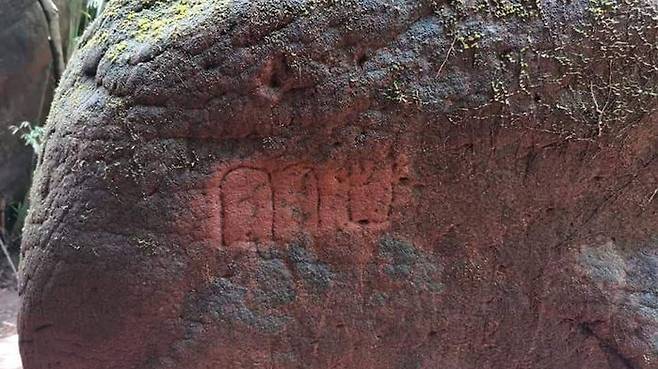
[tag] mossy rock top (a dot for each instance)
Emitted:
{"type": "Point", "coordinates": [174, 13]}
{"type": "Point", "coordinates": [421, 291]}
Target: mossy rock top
{"type": "Point", "coordinates": [582, 69]}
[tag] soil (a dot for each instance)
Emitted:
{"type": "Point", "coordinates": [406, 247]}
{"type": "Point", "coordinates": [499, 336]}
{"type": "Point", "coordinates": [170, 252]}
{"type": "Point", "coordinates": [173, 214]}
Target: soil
{"type": "Point", "coordinates": [9, 304]}
{"type": "Point", "coordinates": [8, 300]}
{"type": "Point", "coordinates": [8, 312]}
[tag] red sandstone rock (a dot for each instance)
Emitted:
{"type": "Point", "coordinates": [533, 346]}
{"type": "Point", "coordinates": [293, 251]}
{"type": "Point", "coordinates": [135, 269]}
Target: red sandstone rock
{"type": "Point", "coordinates": [353, 184]}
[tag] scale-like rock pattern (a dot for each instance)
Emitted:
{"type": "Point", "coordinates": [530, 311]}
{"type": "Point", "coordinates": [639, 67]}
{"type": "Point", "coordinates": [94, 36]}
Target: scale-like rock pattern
{"type": "Point", "coordinates": [350, 184]}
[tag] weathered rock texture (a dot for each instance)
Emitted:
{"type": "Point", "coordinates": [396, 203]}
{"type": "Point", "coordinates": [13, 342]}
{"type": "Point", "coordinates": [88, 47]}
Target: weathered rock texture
{"type": "Point", "coordinates": [350, 184]}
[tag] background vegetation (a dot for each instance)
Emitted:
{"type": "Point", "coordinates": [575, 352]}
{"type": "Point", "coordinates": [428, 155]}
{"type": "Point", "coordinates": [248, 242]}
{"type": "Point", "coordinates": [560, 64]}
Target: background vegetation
{"type": "Point", "coordinates": [79, 15]}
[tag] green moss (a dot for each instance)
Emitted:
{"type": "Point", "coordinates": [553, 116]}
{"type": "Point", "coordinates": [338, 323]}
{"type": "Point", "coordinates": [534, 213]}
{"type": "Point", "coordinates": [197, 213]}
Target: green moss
{"type": "Point", "coordinates": [151, 21]}
{"type": "Point", "coordinates": [508, 8]}
{"type": "Point", "coordinates": [585, 78]}
{"type": "Point", "coordinates": [148, 29]}
{"type": "Point", "coordinates": [117, 50]}
{"type": "Point", "coordinates": [470, 40]}
{"type": "Point", "coordinates": [97, 39]}
{"type": "Point", "coordinates": [600, 8]}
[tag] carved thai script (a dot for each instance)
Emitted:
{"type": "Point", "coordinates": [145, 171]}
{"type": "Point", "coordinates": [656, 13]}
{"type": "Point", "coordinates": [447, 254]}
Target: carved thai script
{"type": "Point", "coordinates": [371, 192]}
{"type": "Point", "coordinates": [262, 205]}
{"type": "Point", "coordinates": [248, 207]}
{"type": "Point", "coordinates": [296, 201]}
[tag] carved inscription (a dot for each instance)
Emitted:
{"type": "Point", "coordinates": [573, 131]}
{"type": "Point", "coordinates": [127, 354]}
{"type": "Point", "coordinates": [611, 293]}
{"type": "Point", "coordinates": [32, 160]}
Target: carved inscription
{"type": "Point", "coordinates": [371, 192]}
{"type": "Point", "coordinates": [260, 205]}
{"type": "Point", "coordinates": [247, 206]}
{"type": "Point", "coordinates": [296, 200]}
{"type": "Point", "coordinates": [334, 193]}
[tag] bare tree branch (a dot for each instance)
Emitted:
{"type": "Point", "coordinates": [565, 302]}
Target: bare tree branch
{"type": "Point", "coordinates": [56, 46]}
{"type": "Point", "coordinates": [11, 262]}
{"type": "Point", "coordinates": [2, 214]}
{"type": "Point", "coordinates": [450, 50]}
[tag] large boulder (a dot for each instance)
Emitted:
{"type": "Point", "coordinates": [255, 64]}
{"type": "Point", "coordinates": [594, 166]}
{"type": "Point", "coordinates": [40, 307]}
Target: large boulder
{"type": "Point", "coordinates": [350, 184]}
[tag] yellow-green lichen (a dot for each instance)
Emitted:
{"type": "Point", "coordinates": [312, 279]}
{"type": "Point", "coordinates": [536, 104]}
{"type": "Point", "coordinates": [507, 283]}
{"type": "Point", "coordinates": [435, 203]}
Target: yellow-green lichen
{"type": "Point", "coordinates": [599, 8]}
{"type": "Point", "coordinates": [116, 51]}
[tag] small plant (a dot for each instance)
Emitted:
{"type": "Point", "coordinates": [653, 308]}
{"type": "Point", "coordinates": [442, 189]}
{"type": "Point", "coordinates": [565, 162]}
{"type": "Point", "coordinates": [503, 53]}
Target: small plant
{"type": "Point", "coordinates": [20, 210]}
{"type": "Point", "coordinates": [81, 14]}
{"type": "Point", "coordinates": [600, 8]}
{"type": "Point", "coordinates": [470, 40]}
{"type": "Point", "coordinates": [395, 93]}
{"type": "Point", "coordinates": [32, 135]}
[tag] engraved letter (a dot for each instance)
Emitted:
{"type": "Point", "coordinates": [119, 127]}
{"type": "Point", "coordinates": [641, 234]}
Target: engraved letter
{"type": "Point", "coordinates": [371, 192]}
{"type": "Point", "coordinates": [296, 201]}
{"type": "Point", "coordinates": [247, 206]}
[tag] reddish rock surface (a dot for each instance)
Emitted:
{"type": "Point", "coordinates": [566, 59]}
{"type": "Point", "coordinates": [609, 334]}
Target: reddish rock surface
{"type": "Point", "coordinates": [350, 184]}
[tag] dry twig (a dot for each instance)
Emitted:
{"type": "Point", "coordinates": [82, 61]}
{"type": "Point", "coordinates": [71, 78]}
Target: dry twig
{"type": "Point", "coordinates": [450, 50]}
{"type": "Point", "coordinates": [11, 262]}
{"type": "Point", "coordinates": [52, 17]}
